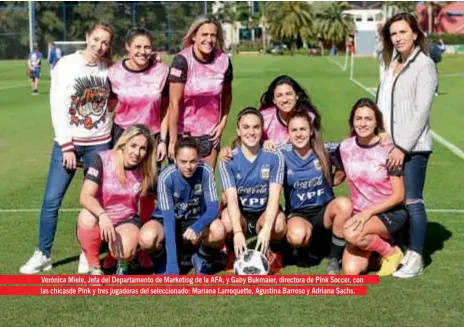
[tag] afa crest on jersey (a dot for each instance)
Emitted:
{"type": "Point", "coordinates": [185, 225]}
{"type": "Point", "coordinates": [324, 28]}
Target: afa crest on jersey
{"type": "Point", "coordinates": [197, 189]}
{"type": "Point", "coordinates": [317, 164]}
{"type": "Point", "coordinates": [265, 172]}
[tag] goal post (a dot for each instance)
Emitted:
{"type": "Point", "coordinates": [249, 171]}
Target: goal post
{"type": "Point", "coordinates": [68, 47]}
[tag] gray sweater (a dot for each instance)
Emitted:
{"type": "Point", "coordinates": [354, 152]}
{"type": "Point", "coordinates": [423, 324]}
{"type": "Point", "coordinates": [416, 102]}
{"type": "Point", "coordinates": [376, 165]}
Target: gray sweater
{"type": "Point", "coordinates": [411, 102]}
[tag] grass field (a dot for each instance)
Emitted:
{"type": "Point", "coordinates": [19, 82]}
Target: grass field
{"type": "Point", "coordinates": [432, 300]}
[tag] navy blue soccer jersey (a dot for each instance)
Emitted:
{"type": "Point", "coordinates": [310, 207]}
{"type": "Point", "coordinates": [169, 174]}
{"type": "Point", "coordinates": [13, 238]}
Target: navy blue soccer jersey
{"type": "Point", "coordinates": [305, 185]}
{"type": "Point", "coordinates": [252, 179]}
{"type": "Point", "coordinates": [189, 197]}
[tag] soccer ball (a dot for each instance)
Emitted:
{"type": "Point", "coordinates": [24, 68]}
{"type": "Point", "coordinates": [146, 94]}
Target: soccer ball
{"type": "Point", "coordinates": [251, 262]}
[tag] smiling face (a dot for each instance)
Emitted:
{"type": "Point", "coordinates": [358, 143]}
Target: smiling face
{"type": "Point", "coordinates": [285, 98]}
{"type": "Point", "coordinates": [364, 122]}
{"type": "Point", "coordinates": [187, 161]}
{"type": "Point", "coordinates": [300, 132]}
{"type": "Point", "coordinates": [139, 50]}
{"type": "Point", "coordinates": [250, 130]}
{"type": "Point", "coordinates": [402, 36]}
{"type": "Point", "coordinates": [205, 39]}
{"type": "Point", "coordinates": [98, 42]}
{"type": "Point", "coordinates": [134, 151]}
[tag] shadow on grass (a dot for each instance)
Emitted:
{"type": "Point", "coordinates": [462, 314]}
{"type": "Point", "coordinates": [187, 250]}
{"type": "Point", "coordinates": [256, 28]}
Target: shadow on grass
{"type": "Point", "coordinates": [437, 235]}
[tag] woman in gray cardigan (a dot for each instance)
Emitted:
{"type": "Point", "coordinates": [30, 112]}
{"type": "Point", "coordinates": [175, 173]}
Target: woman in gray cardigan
{"type": "Point", "coordinates": [405, 98]}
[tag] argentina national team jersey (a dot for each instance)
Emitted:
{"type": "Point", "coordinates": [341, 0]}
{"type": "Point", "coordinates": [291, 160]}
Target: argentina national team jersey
{"type": "Point", "coordinates": [188, 197]}
{"type": "Point", "coordinates": [252, 179]}
{"type": "Point", "coordinates": [304, 185]}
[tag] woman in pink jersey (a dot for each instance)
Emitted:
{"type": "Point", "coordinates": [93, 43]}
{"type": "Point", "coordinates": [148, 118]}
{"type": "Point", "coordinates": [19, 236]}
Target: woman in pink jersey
{"type": "Point", "coordinates": [79, 93]}
{"type": "Point", "coordinates": [110, 196]}
{"type": "Point", "coordinates": [200, 91]}
{"type": "Point", "coordinates": [277, 104]}
{"type": "Point", "coordinates": [377, 193]}
{"type": "Point", "coordinates": [139, 83]}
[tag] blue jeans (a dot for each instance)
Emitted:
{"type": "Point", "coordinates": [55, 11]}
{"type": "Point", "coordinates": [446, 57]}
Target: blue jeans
{"type": "Point", "coordinates": [58, 181]}
{"type": "Point", "coordinates": [415, 168]}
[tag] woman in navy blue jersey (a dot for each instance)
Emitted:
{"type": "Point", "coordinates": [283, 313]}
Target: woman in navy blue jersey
{"type": "Point", "coordinates": [310, 201]}
{"type": "Point", "coordinates": [252, 181]}
{"type": "Point", "coordinates": [186, 213]}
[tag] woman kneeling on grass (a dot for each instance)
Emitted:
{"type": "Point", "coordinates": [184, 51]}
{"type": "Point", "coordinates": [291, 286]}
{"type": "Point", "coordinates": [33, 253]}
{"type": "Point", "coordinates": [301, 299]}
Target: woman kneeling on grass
{"type": "Point", "coordinates": [377, 193]}
{"type": "Point", "coordinates": [110, 196]}
{"type": "Point", "coordinates": [310, 201]}
{"type": "Point", "coordinates": [185, 218]}
{"type": "Point", "coordinates": [252, 182]}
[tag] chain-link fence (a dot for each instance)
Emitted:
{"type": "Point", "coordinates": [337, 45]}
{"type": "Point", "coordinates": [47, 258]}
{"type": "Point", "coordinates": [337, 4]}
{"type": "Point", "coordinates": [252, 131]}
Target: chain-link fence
{"type": "Point", "coordinates": [68, 21]}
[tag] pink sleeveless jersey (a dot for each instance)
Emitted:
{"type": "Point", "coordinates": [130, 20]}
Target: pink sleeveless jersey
{"type": "Point", "coordinates": [201, 109]}
{"type": "Point", "coordinates": [139, 95]}
{"type": "Point", "coordinates": [275, 129]}
{"type": "Point", "coordinates": [119, 201]}
{"type": "Point", "coordinates": [366, 171]}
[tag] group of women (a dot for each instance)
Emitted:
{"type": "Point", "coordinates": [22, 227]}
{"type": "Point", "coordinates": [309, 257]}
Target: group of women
{"type": "Point", "coordinates": [180, 112]}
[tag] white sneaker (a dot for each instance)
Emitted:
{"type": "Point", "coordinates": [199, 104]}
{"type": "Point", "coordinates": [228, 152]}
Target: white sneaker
{"type": "Point", "coordinates": [406, 258]}
{"type": "Point", "coordinates": [83, 267]}
{"type": "Point", "coordinates": [37, 263]}
{"type": "Point", "coordinates": [412, 268]}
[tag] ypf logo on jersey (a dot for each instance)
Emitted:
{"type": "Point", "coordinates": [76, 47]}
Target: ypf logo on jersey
{"type": "Point", "coordinates": [197, 189]}
{"type": "Point", "coordinates": [265, 172]}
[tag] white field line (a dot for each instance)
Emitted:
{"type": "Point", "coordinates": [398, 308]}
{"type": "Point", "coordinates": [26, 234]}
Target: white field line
{"type": "Point", "coordinates": [21, 85]}
{"type": "Point", "coordinates": [459, 211]}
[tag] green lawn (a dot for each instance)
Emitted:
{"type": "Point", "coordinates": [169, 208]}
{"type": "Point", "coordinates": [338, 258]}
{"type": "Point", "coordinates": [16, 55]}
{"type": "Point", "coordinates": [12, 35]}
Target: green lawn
{"type": "Point", "coordinates": [432, 300]}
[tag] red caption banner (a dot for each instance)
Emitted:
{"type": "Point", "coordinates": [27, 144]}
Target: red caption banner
{"type": "Point", "coordinates": [183, 290]}
{"type": "Point", "coordinates": [189, 280]}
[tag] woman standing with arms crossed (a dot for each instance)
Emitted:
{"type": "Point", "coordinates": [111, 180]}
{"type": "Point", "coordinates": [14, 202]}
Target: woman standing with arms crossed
{"type": "Point", "coordinates": [200, 91]}
{"type": "Point", "coordinates": [78, 97]}
{"type": "Point", "coordinates": [405, 98]}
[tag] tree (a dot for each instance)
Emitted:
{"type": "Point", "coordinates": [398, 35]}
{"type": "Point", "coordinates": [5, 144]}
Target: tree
{"type": "Point", "coordinates": [332, 24]}
{"type": "Point", "coordinates": [291, 21]}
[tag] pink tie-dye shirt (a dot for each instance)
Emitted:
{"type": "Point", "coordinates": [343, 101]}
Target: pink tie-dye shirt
{"type": "Point", "coordinates": [139, 94]}
{"type": "Point", "coordinates": [275, 129]}
{"type": "Point", "coordinates": [120, 201]}
{"type": "Point", "coordinates": [367, 172]}
{"type": "Point", "coordinates": [200, 110]}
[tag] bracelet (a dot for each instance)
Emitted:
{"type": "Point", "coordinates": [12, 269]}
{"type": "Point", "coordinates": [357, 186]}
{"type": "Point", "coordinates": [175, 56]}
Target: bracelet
{"type": "Point", "coordinates": [238, 231]}
{"type": "Point", "coordinates": [101, 213]}
{"type": "Point", "coordinates": [162, 140]}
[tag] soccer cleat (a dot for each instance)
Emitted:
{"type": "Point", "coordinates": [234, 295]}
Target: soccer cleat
{"type": "Point", "coordinates": [391, 263]}
{"type": "Point", "coordinates": [412, 268]}
{"type": "Point", "coordinates": [83, 267]}
{"type": "Point", "coordinates": [333, 266]}
{"type": "Point", "coordinates": [37, 263]}
{"type": "Point", "coordinates": [210, 266]}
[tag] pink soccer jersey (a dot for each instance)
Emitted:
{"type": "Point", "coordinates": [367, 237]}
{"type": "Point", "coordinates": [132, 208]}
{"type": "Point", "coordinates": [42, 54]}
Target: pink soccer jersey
{"type": "Point", "coordinates": [139, 94]}
{"type": "Point", "coordinates": [275, 129]}
{"type": "Point", "coordinates": [119, 201]}
{"type": "Point", "coordinates": [200, 110]}
{"type": "Point", "coordinates": [367, 172]}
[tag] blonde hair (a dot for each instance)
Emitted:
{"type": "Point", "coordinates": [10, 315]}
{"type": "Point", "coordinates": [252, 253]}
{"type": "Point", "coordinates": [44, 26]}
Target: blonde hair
{"type": "Point", "coordinates": [148, 163]}
{"type": "Point", "coordinates": [108, 56]}
{"type": "Point", "coordinates": [201, 20]}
